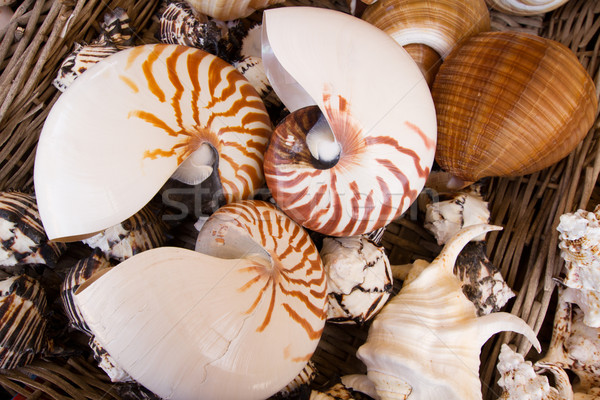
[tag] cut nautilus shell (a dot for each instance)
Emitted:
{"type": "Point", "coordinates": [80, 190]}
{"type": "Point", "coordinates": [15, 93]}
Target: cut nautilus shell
{"type": "Point", "coordinates": [166, 110]}
{"type": "Point", "coordinates": [250, 309]}
{"type": "Point", "coordinates": [525, 7]}
{"type": "Point", "coordinates": [532, 112]}
{"type": "Point", "coordinates": [426, 340]}
{"type": "Point", "coordinates": [229, 9]}
{"type": "Point", "coordinates": [22, 320]}
{"type": "Point", "coordinates": [22, 236]}
{"type": "Point", "coordinates": [355, 152]}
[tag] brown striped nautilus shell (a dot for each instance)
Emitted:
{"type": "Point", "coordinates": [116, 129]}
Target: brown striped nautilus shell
{"type": "Point", "coordinates": [357, 160]}
{"type": "Point", "coordinates": [239, 318]}
{"type": "Point", "coordinates": [134, 120]}
{"type": "Point", "coordinates": [510, 104]}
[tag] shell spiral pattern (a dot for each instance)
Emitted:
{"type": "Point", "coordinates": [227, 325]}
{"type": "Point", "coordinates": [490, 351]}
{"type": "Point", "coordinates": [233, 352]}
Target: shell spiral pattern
{"type": "Point", "coordinates": [165, 102]}
{"type": "Point", "coordinates": [250, 310]}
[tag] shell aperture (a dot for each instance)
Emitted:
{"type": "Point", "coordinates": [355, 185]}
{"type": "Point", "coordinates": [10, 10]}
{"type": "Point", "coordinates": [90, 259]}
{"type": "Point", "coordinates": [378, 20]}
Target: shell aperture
{"type": "Point", "coordinates": [253, 315]}
{"type": "Point", "coordinates": [385, 127]}
{"type": "Point", "coordinates": [159, 104]}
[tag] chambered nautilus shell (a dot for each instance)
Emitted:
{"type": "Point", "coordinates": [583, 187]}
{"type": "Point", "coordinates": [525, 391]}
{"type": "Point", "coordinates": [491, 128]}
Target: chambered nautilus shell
{"type": "Point", "coordinates": [525, 7]}
{"type": "Point", "coordinates": [247, 308]}
{"type": "Point", "coordinates": [510, 104]}
{"type": "Point", "coordinates": [229, 9]}
{"type": "Point", "coordinates": [134, 120]}
{"type": "Point", "coordinates": [355, 152]}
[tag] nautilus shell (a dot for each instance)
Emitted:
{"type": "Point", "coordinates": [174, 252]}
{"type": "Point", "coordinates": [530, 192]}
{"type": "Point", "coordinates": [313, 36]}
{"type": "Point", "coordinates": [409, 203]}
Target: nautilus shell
{"type": "Point", "coordinates": [167, 110]}
{"type": "Point", "coordinates": [22, 320]}
{"type": "Point", "coordinates": [525, 7]}
{"type": "Point", "coordinates": [249, 310]}
{"type": "Point", "coordinates": [359, 278]}
{"type": "Point", "coordinates": [229, 9]}
{"type": "Point", "coordinates": [142, 231]}
{"type": "Point", "coordinates": [355, 152]}
{"type": "Point", "coordinates": [426, 340]}
{"type": "Point", "coordinates": [533, 112]}
{"type": "Point", "coordinates": [22, 236]}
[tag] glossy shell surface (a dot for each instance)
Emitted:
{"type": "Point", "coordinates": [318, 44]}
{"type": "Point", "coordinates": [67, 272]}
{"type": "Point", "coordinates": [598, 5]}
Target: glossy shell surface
{"type": "Point", "coordinates": [537, 105]}
{"type": "Point", "coordinates": [160, 104]}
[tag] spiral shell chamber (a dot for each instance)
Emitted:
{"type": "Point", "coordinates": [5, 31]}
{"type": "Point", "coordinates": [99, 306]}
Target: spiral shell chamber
{"type": "Point", "coordinates": [385, 126]}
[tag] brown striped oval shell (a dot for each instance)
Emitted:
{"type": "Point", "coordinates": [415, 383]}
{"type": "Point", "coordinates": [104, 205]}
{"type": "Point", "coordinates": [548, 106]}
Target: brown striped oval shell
{"type": "Point", "coordinates": [22, 321]}
{"type": "Point", "coordinates": [76, 276]}
{"type": "Point", "coordinates": [250, 310]}
{"type": "Point", "coordinates": [163, 105]}
{"type": "Point", "coordinates": [22, 236]}
{"type": "Point", "coordinates": [510, 104]}
{"type": "Point", "coordinates": [142, 231]}
{"type": "Point", "coordinates": [439, 24]}
{"type": "Point", "coordinates": [427, 59]}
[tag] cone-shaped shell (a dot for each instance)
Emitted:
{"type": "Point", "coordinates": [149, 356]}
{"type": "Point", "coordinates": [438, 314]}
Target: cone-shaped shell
{"type": "Point", "coordinates": [383, 125]}
{"type": "Point", "coordinates": [525, 7]}
{"type": "Point", "coordinates": [510, 104]}
{"type": "Point", "coordinates": [226, 10]}
{"type": "Point", "coordinates": [122, 129]}
{"type": "Point", "coordinates": [439, 24]}
{"type": "Point", "coordinates": [184, 323]}
{"type": "Point", "coordinates": [428, 335]}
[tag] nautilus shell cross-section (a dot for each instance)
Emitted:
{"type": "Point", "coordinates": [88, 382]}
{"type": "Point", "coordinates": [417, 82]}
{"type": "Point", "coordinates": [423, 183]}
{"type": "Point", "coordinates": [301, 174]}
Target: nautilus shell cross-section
{"type": "Point", "coordinates": [360, 140]}
{"type": "Point", "coordinates": [134, 120]}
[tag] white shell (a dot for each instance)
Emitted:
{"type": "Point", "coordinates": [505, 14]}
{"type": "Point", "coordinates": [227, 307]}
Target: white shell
{"type": "Point", "coordinates": [382, 128]}
{"type": "Point", "coordinates": [229, 9]}
{"type": "Point", "coordinates": [182, 322]}
{"type": "Point", "coordinates": [429, 337]}
{"type": "Point", "coordinates": [519, 380]}
{"type": "Point", "coordinates": [359, 278]}
{"type": "Point", "coordinates": [445, 218]}
{"type": "Point", "coordinates": [106, 362]}
{"type": "Point", "coordinates": [133, 118]}
{"type": "Point", "coordinates": [525, 7]}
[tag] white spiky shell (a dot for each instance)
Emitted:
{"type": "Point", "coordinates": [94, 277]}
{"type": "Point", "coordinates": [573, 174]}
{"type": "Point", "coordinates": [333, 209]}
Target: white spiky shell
{"type": "Point", "coordinates": [383, 128]}
{"type": "Point", "coordinates": [250, 312]}
{"type": "Point", "coordinates": [429, 337]}
{"type": "Point", "coordinates": [124, 127]}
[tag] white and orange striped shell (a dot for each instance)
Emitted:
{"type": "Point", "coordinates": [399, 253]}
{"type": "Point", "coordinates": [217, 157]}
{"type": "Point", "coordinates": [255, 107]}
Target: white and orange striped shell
{"type": "Point", "coordinates": [127, 125]}
{"type": "Point", "coordinates": [250, 310]}
{"type": "Point", "coordinates": [359, 144]}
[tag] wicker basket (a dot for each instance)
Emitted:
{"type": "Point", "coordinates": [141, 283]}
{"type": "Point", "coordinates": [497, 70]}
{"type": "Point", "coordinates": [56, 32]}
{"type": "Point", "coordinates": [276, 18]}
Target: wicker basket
{"type": "Point", "coordinates": [42, 33]}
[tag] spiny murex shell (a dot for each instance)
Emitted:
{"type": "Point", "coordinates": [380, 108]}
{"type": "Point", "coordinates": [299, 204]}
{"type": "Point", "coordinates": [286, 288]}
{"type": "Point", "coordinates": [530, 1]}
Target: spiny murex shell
{"type": "Point", "coordinates": [533, 112]}
{"type": "Point", "coordinates": [580, 248]}
{"type": "Point", "coordinates": [359, 278]}
{"type": "Point", "coordinates": [249, 311]}
{"type": "Point", "coordinates": [23, 239]}
{"type": "Point", "coordinates": [358, 159]}
{"type": "Point", "coordinates": [22, 320]}
{"type": "Point", "coordinates": [429, 337]}
{"type": "Point", "coordinates": [166, 109]}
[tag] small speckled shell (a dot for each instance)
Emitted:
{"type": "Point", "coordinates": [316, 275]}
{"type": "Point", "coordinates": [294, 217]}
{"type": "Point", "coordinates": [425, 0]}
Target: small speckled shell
{"type": "Point", "coordinates": [22, 323]}
{"type": "Point", "coordinates": [510, 104]}
{"type": "Point", "coordinates": [23, 240]}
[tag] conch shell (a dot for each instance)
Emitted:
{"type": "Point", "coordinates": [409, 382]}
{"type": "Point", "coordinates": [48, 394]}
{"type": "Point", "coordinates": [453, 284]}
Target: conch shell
{"type": "Point", "coordinates": [249, 310]}
{"type": "Point", "coordinates": [525, 7]}
{"type": "Point", "coordinates": [429, 337]}
{"type": "Point", "coordinates": [226, 10]}
{"type": "Point", "coordinates": [134, 120]}
{"type": "Point", "coordinates": [533, 112]}
{"type": "Point", "coordinates": [357, 160]}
